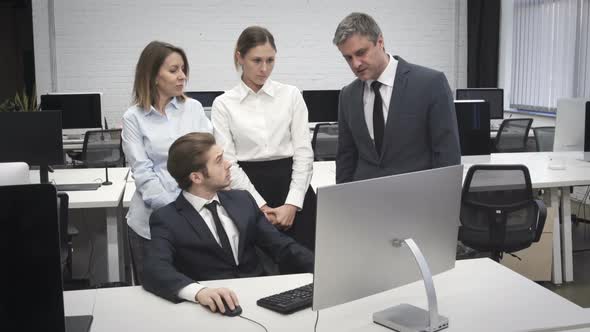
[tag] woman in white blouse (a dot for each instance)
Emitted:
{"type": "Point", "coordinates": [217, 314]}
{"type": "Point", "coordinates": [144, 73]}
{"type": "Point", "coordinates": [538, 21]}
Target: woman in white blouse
{"type": "Point", "coordinates": [264, 124]}
{"type": "Point", "coordinates": [161, 114]}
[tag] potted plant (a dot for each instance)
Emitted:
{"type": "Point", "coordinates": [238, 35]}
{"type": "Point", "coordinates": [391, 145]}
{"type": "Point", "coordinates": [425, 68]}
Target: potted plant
{"type": "Point", "coordinates": [20, 103]}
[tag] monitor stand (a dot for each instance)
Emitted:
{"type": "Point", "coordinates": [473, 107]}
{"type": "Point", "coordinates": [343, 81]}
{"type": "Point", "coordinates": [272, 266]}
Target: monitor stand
{"type": "Point", "coordinates": [406, 317]}
{"type": "Point", "coordinates": [78, 323]}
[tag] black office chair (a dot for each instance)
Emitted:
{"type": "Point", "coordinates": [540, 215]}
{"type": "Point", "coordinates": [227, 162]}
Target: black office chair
{"type": "Point", "coordinates": [544, 138]}
{"type": "Point", "coordinates": [498, 211]}
{"type": "Point", "coordinates": [101, 148]}
{"type": "Point", "coordinates": [325, 141]}
{"type": "Point", "coordinates": [64, 234]}
{"type": "Point", "coordinates": [512, 135]}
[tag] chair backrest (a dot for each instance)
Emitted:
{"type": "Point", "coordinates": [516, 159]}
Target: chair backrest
{"type": "Point", "coordinates": [498, 210]}
{"type": "Point", "coordinates": [544, 137]}
{"type": "Point", "coordinates": [325, 141]}
{"type": "Point", "coordinates": [513, 134]}
{"type": "Point", "coordinates": [63, 202]}
{"type": "Point", "coordinates": [103, 148]}
{"type": "Point", "coordinates": [14, 173]}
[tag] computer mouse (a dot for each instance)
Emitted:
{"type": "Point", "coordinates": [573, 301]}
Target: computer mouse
{"type": "Point", "coordinates": [228, 312]}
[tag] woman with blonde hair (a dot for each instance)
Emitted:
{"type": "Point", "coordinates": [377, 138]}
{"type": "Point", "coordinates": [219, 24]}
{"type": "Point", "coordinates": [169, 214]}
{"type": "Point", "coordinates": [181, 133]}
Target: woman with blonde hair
{"type": "Point", "coordinates": [160, 114]}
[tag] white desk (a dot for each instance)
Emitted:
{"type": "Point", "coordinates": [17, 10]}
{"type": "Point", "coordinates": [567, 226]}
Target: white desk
{"type": "Point", "coordinates": [576, 173]}
{"type": "Point", "coordinates": [73, 144]}
{"type": "Point", "coordinates": [105, 197]}
{"type": "Point", "coordinates": [478, 295]}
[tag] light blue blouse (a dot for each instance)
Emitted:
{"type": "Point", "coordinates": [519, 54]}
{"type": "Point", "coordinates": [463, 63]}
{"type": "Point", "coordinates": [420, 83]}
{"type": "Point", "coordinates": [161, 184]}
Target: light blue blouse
{"type": "Point", "coordinates": [147, 136]}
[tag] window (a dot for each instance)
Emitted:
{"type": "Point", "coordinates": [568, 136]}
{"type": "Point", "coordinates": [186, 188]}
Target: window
{"type": "Point", "coordinates": [550, 53]}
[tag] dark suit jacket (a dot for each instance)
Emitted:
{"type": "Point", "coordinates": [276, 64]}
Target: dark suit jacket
{"type": "Point", "coordinates": [183, 250]}
{"type": "Point", "coordinates": [420, 132]}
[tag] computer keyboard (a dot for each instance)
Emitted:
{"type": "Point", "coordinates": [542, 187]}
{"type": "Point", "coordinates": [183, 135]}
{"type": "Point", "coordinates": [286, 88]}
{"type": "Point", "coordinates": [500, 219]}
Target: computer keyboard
{"type": "Point", "coordinates": [289, 301]}
{"type": "Point", "coordinates": [77, 186]}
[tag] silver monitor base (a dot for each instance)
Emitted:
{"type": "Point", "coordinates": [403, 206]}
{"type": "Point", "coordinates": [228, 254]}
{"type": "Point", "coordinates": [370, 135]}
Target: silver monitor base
{"type": "Point", "coordinates": [408, 318]}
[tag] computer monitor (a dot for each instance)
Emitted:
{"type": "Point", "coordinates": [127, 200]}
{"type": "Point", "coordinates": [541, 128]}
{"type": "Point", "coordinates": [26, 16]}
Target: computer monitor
{"type": "Point", "coordinates": [322, 105]}
{"type": "Point", "coordinates": [206, 98]}
{"type": "Point", "coordinates": [473, 122]}
{"type": "Point", "coordinates": [357, 223]}
{"type": "Point", "coordinates": [32, 137]}
{"type": "Point", "coordinates": [14, 173]}
{"type": "Point", "coordinates": [31, 281]}
{"type": "Point", "coordinates": [569, 124]}
{"type": "Point", "coordinates": [493, 96]}
{"type": "Point", "coordinates": [79, 110]}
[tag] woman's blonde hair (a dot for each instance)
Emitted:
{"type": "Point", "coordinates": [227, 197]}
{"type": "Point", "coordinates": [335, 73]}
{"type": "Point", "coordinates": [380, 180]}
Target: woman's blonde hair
{"type": "Point", "coordinates": [145, 92]}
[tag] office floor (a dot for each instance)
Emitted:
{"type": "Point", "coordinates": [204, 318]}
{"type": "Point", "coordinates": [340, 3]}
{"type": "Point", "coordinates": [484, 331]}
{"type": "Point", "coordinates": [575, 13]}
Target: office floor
{"type": "Point", "coordinates": [577, 291]}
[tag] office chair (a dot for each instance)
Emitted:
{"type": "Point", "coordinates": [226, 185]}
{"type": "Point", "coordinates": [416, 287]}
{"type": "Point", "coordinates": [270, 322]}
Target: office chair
{"type": "Point", "coordinates": [498, 211]}
{"type": "Point", "coordinates": [544, 138]}
{"type": "Point", "coordinates": [512, 135]}
{"type": "Point", "coordinates": [101, 148]}
{"type": "Point", "coordinates": [325, 141]}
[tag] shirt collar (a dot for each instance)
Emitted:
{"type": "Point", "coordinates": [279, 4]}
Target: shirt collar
{"type": "Point", "coordinates": [198, 202]}
{"type": "Point", "coordinates": [244, 90]}
{"type": "Point", "coordinates": [388, 75]}
{"type": "Point", "coordinates": [174, 102]}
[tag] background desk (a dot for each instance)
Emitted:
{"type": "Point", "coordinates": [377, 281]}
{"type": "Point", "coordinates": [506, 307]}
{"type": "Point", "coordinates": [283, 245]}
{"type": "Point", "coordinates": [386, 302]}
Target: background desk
{"type": "Point", "coordinates": [106, 197]}
{"type": "Point", "coordinates": [576, 173]}
{"type": "Point", "coordinates": [478, 295]}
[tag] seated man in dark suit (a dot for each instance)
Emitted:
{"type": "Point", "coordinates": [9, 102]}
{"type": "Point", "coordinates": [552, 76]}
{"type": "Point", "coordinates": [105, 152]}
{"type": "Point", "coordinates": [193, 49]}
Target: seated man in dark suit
{"type": "Point", "coordinates": [209, 233]}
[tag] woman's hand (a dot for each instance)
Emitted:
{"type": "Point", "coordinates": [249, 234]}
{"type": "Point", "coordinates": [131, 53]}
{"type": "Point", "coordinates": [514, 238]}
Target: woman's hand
{"type": "Point", "coordinates": [269, 214]}
{"type": "Point", "coordinates": [285, 215]}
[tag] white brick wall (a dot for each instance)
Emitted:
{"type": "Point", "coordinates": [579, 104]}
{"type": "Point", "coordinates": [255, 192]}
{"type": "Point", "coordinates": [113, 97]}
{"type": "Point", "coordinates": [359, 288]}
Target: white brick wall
{"type": "Point", "coordinates": [98, 42]}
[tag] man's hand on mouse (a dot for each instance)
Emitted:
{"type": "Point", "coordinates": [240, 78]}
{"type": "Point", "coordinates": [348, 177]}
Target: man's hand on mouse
{"type": "Point", "coordinates": [211, 297]}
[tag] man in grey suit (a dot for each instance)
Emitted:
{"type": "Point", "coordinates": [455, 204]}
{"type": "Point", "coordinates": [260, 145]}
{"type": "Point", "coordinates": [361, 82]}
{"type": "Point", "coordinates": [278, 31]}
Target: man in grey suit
{"type": "Point", "coordinates": [396, 117]}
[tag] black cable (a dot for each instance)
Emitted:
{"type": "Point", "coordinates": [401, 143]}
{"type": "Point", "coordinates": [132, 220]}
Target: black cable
{"type": "Point", "coordinates": [317, 317]}
{"type": "Point", "coordinates": [253, 321]}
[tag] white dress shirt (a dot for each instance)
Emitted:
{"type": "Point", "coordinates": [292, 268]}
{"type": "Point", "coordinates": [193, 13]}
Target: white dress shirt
{"type": "Point", "coordinates": [147, 136]}
{"type": "Point", "coordinates": [266, 125]}
{"type": "Point", "coordinates": [233, 234]}
{"type": "Point", "coordinates": [387, 78]}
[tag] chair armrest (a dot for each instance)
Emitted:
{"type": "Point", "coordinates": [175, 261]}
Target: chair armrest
{"type": "Point", "coordinates": [540, 219]}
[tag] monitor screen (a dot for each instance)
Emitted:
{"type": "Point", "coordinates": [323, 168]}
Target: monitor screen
{"type": "Point", "coordinates": [31, 137]}
{"type": "Point", "coordinates": [322, 105]}
{"type": "Point", "coordinates": [30, 284]}
{"type": "Point", "coordinates": [355, 255]}
{"type": "Point", "coordinates": [79, 110]}
{"type": "Point", "coordinates": [492, 95]}
{"type": "Point", "coordinates": [570, 132]}
{"type": "Point", "coordinates": [206, 98]}
{"type": "Point", "coordinates": [473, 122]}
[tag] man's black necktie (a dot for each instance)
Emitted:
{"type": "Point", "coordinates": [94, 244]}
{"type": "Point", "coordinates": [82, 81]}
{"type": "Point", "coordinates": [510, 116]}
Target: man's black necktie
{"type": "Point", "coordinates": [223, 239]}
{"type": "Point", "coordinates": [378, 121]}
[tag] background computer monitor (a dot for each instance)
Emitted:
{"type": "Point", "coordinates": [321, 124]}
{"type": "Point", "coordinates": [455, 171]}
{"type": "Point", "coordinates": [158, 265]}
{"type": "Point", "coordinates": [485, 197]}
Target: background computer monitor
{"type": "Point", "coordinates": [206, 98]}
{"type": "Point", "coordinates": [79, 110]}
{"type": "Point", "coordinates": [30, 284]}
{"type": "Point", "coordinates": [569, 124]}
{"type": "Point", "coordinates": [32, 137]}
{"type": "Point", "coordinates": [493, 96]}
{"type": "Point", "coordinates": [322, 105]}
{"type": "Point", "coordinates": [357, 221]}
{"type": "Point", "coordinates": [473, 122]}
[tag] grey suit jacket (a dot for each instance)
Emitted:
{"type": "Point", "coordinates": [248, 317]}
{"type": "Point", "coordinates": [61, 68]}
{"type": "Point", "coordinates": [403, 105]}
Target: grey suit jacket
{"type": "Point", "coordinates": [420, 132]}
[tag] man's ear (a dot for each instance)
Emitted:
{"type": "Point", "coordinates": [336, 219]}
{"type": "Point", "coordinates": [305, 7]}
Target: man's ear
{"type": "Point", "coordinates": [196, 177]}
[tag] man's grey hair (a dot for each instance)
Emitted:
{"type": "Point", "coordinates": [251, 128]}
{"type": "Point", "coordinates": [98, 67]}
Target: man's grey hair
{"type": "Point", "coordinates": [356, 23]}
